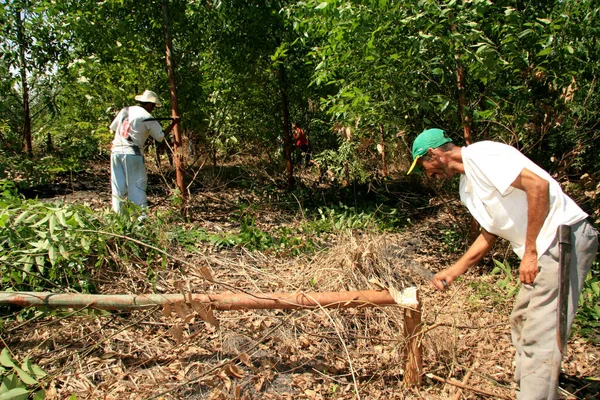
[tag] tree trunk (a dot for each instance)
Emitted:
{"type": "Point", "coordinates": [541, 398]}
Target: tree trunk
{"type": "Point", "coordinates": [22, 43]}
{"type": "Point", "coordinates": [462, 102]}
{"type": "Point", "coordinates": [384, 170]}
{"type": "Point", "coordinates": [287, 129]}
{"type": "Point", "coordinates": [49, 145]}
{"type": "Point", "coordinates": [177, 143]}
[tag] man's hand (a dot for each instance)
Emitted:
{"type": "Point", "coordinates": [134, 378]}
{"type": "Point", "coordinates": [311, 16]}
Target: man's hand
{"type": "Point", "coordinates": [529, 268]}
{"type": "Point", "coordinates": [442, 279]}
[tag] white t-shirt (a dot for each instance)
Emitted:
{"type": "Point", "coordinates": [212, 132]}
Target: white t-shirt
{"type": "Point", "coordinates": [131, 129]}
{"type": "Point", "coordinates": [501, 209]}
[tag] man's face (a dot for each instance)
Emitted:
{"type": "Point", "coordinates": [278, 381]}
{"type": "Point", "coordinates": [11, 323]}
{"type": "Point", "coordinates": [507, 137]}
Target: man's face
{"type": "Point", "coordinates": [435, 165]}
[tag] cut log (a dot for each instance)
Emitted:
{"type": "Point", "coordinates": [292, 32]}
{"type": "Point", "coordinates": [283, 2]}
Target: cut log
{"type": "Point", "coordinates": [408, 298]}
{"type": "Point", "coordinates": [223, 301]}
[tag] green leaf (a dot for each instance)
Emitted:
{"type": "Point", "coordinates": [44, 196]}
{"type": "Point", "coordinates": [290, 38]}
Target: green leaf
{"type": "Point", "coordinates": [52, 255]}
{"type": "Point", "coordinates": [52, 224]}
{"type": "Point", "coordinates": [525, 33]}
{"type": "Point", "coordinates": [33, 369]}
{"type": "Point", "coordinates": [25, 377]}
{"type": "Point", "coordinates": [60, 215]}
{"type": "Point", "coordinates": [322, 5]}
{"type": "Point", "coordinates": [6, 359]}
{"type": "Point", "coordinates": [42, 221]}
{"type": "Point", "coordinates": [21, 217]}
{"type": "Point", "coordinates": [39, 395]}
{"type": "Point", "coordinates": [79, 220]}
{"type": "Point", "coordinates": [63, 251]}
{"type": "Point", "coordinates": [15, 394]}
{"type": "Point", "coordinates": [545, 52]}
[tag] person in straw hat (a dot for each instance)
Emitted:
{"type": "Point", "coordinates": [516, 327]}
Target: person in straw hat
{"type": "Point", "coordinates": [132, 126]}
{"type": "Point", "coordinates": [513, 198]}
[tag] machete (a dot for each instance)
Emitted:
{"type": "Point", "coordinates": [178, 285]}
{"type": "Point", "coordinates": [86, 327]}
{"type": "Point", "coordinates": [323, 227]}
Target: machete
{"type": "Point", "coordinates": [424, 272]}
{"type": "Point", "coordinates": [564, 261]}
{"type": "Point", "coordinates": [160, 119]}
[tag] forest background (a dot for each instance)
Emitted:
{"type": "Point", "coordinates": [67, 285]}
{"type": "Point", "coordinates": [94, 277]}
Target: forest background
{"type": "Point", "coordinates": [363, 78]}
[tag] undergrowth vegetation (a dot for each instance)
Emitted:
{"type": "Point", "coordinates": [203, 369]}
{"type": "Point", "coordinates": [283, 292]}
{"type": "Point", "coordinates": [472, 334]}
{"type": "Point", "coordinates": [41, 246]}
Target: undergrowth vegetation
{"type": "Point", "coordinates": [63, 247]}
{"type": "Point", "coordinates": [587, 319]}
{"type": "Point", "coordinates": [48, 246]}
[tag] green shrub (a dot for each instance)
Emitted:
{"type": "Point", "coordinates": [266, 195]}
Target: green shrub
{"type": "Point", "coordinates": [45, 246]}
{"type": "Point", "coordinates": [587, 319]}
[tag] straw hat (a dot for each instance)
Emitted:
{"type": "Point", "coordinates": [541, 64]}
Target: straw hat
{"type": "Point", "coordinates": [148, 97]}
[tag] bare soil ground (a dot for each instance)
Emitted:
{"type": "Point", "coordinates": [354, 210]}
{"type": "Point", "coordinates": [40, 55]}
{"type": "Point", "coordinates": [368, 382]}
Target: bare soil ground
{"type": "Point", "coordinates": [277, 354]}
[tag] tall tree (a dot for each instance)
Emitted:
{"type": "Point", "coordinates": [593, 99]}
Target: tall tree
{"type": "Point", "coordinates": [33, 47]}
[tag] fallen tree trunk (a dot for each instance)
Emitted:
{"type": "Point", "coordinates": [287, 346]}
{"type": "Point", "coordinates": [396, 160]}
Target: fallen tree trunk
{"type": "Point", "coordinates": [223, 302]}
{"type": "Point", "coordinates": [203, 304]}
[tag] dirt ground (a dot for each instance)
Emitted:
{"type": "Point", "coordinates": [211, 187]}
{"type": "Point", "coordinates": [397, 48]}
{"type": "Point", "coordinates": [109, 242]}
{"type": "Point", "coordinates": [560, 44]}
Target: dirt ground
{"type": "Point", "coordinates": [355, 353]}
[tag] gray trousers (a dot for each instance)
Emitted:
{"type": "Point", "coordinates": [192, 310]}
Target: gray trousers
{"type": "Point", "coordinates": [534, 317]}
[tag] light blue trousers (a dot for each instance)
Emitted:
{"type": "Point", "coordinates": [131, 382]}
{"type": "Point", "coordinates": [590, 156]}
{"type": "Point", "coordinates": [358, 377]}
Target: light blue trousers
{"type": "Point", "coordinates": [128, 180]}
{"type": "Point", "coordinates": [534, 317]}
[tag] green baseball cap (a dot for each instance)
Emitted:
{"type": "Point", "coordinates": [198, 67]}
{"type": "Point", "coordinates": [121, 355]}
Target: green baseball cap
{"type": "Point", "coordinates": [428, 139]}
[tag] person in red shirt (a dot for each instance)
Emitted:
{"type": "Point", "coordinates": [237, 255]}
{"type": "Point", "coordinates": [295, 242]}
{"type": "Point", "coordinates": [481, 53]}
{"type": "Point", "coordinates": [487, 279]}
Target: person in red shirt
{"type": "Point", "coordinates": [301, 142]}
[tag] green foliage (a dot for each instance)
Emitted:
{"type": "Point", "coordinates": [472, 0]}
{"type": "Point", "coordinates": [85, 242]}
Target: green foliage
{"type": "Point", "coordinates": [26, 172]}
{"type": "Point", "coordinates": [453, 240]}
{"type": "Point", "coordinates": [47, 246]}
{"type": "Point", "coordinates": [343, 217]}
{"type": "Point", "coordinates": [483, 290]}
{"type": "Point", "coordinates": [507, 280]}
{"type": "Point", "coordinates": [40, 244]}
{"type": "Point", "coordinates": [587, 319]}
{"type": "Point", "coordinates": [344, 163]}
{"type": "Point", "coordinates": [283, 240]}
{"type": "Point", "coordinates": [19, 382]}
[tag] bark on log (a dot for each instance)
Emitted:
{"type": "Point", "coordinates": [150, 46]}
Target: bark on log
{"type": "Point", "coordinates": [223, 301]}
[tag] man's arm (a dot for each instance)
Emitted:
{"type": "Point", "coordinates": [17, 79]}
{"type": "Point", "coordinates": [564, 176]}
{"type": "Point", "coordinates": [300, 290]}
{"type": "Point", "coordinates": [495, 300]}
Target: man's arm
{"type": "Point", "coordinates": [172, 125]}
{"type": "Point", "coordinates": [156, 130]}
{"type": "Point", "coordinates": [538, 205]}
{"type": "Point", "coordinates": [480, 247]}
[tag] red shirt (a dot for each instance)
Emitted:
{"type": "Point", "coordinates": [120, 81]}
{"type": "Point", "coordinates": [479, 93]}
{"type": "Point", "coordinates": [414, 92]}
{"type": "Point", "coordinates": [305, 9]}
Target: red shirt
{"type": "Point", "coordinates": [300, 137]}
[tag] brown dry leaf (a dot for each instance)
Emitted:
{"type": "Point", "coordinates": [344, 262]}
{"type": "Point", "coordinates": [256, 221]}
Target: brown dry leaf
{"type": "Point", "coordinates": [205, 273]}
{"type": "Point", "coordinates": [233, 371]}
{"type": "Point", "coordinates": [205, 312]}
{"type": "Point", "coordinates": [223, 376]}
{"type": "Point", "coordinates": [260, 380]}
{"type": "Point", "coordinates": [245, 358]}
{"type": "Point", "coordinates": [217, 394]}
{"type": "Point", "coordinates": [166, 310]}
{"type": "Point", "coordinates": [181, 309]}
{"type": "Point", "coordinates": [177, 333]}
